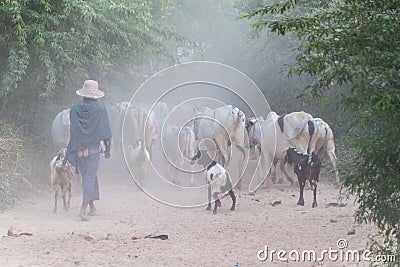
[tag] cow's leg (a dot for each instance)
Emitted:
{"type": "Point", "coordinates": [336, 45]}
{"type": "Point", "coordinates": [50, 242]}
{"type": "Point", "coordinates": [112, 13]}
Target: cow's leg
{"type": "Point", "coordinates": [232, 194]}
{"type": "Point", "coordinates": [274, 177]}
{"type": "Point", "coordinates": [269, 166]}
{"type": "Point", "coordinates": [260, 170]}
{"type": "Point", "coordinates": [191, 179]}
{"type": "Point", "coordinates": [209, 198]}
{"type": "Point", "coordinates": [172, 171]}
{"type": "Point", "coordinates": [259, 158]}
{"type": "Point", "coordinates": [55, 199]}
{"type": "Point", "coordinates": [191, 176]}
{"type": "Point", "coordinates": [333, 159]}
{"type": "Point", "coordinates": [222, 144]}
{"type": "Point", "coordinates": [263, 171]}
{"type": "Point", "coordinates": [301, 199]}
{"type": "Point", "coordinates": [242, 157]}
{"type": "Point", "coordinates": [283, 169]}
{"type": "Point", "coordinates": [314, 185]}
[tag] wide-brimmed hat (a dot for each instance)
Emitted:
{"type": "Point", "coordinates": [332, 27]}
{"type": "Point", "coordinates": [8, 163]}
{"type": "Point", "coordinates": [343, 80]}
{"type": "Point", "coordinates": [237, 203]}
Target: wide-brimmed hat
{"type": "Point", "coordinates": [90, 89]}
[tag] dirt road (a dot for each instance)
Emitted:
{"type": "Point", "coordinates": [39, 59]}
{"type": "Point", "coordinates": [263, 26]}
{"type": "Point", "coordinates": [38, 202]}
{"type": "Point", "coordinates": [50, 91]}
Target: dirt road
{"type": "Point", "coordinates": [196, 236]}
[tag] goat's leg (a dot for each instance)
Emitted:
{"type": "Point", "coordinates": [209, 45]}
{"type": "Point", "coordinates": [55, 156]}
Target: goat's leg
{"type": "Point", "coordinates": [64, 197]}
{"type": "Point", "coordinates": [232, 194]}
{"type": "Point", "coordinates": [209, 198]}
{"type": "Point", "coordinates": [301, 199]}
{"type": "Point", "coordinates": [55, 199]}
{"type": "Point", "coordinates": [216, 205]}
{"type": "Point", "coordinates": [314, 185]}
{"type": "Point", "coordinates": [217, 202]}
{"type": "Point", "coordinates": [69, 196]}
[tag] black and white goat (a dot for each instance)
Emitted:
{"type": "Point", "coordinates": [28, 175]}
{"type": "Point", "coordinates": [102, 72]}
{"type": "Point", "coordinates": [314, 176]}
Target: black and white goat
{"type": "Point", "coordinates": [217, 178]}
{"type": "Point", "coordinates": [306, 167]}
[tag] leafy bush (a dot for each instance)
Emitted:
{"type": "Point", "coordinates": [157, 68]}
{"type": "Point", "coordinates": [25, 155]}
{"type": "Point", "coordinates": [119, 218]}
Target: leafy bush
{"type": "Point", "coordinates": [14, 170]}
{"type": "Point", "coordinates": [50, 47]}
{"type": "Point", "coordinates": [352, 47]}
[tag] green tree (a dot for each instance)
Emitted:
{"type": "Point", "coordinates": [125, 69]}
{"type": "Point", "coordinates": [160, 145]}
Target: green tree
{"type": "Point", "coordinates": [50, 47]}
{"type": "Point", "coordinates": [354, 46]}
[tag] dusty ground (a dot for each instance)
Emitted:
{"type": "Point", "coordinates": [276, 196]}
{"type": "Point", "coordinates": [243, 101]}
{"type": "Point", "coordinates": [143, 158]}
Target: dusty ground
{"type": "Point", "coordinates": [196, 236]}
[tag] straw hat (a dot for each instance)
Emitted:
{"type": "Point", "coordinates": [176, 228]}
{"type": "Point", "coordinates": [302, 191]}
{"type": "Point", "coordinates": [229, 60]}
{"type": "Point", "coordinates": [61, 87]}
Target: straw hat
{"type": "Point", "coordinates": [90, 89]}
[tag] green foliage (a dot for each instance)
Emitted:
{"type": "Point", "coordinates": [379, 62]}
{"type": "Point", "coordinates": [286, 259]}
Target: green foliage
{"type": "Point", "coordinates": [49, 47]}
{"type": "Point", "coordinates": [352, 47]}
{"type": "Point", "coordinates": [14, 170]}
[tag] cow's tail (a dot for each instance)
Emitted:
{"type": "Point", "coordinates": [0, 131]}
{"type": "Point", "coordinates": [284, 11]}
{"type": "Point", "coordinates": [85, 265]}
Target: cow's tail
{"type": "Point", "coordinates": [311, 130]}
{"type": "Point", "coordinates": [241, 149]}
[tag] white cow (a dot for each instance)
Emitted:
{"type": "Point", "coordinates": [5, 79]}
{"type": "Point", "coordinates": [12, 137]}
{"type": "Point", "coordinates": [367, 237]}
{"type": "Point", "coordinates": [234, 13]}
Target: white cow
{"type": "Point", "coordinates": [60, 129]}
{"type": "Point", "coordinates": [178, 144]}
{"type": "Point", "coordinates": [116, 114]}
{"type": "Point", "coordinates": [254, 130]}
{"type": "Point", "coordinates": [140, 125]}
{"type": "Point", "coordinates": [187, 142]}
{"type": "Point", "coordinates": [323, 139]}
{"type": "Point", "coordinates": [275, 142]}
{"type": "Point", "coordinates": [253, 127]}
{"type": "Point", "coordinates": [160, 113]}
{"type": "Point", "coordinates": [225, 125]}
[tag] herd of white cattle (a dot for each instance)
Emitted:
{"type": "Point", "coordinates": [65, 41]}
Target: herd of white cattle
{"type": "Point", "coordinates": [138, 128]}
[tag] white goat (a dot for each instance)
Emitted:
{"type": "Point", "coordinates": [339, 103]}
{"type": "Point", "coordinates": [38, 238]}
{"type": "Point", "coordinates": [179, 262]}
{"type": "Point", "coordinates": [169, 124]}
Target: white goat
{"type": "Point", "coordinates": [218, 180]}
{"type": "Point", "coordinates": [139, 159]}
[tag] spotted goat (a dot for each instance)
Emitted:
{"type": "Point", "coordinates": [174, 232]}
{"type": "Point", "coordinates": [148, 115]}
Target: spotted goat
{"type": "Point", "coordinates": [306, 167]}
{"type": "Point", "coordinates": [61, 178]}
{"type": "Point", "coordinates": [218, 180]}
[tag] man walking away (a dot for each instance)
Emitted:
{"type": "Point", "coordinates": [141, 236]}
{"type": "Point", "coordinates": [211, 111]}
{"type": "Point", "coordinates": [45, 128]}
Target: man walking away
{"type": "Point", "coordinates": [89, 126]}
